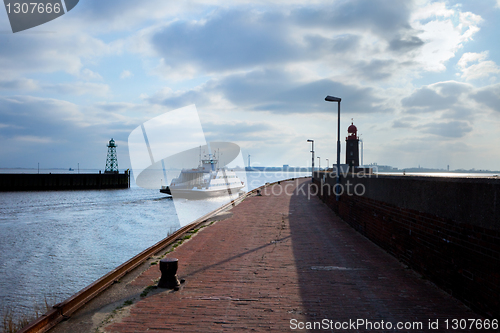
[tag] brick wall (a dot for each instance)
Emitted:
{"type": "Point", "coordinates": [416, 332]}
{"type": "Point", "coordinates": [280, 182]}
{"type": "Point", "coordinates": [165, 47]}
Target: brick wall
{"type": "Point", "coordinates": [458, 252]}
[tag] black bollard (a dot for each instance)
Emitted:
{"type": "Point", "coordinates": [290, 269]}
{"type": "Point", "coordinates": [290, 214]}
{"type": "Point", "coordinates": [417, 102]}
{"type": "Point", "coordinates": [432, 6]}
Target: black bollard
{"type": "Point", "coordinates": [168, 268]}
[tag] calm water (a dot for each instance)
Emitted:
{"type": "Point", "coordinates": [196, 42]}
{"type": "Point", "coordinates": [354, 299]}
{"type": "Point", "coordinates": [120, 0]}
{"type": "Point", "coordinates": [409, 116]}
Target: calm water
{"type": "Point", "coordinates": [53, 244]}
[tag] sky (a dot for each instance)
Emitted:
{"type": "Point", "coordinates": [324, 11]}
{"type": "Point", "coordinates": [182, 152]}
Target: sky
{"type": "Point", "coordinates": [420, 79]}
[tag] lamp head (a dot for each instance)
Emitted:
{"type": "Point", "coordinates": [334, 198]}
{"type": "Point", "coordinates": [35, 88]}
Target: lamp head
{"type": "Point", "coordinates": [332, 99]}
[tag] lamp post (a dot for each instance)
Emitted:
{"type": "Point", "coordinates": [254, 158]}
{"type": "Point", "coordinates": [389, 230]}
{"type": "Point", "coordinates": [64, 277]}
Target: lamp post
{"type": "Point", "coordinates": [361, 140]}
{"type": "Point", "coordinates": [319, 163]}
{"type": "Point", "coordinates": [336, 99]}
{"type": "Point", "coordinates": [312, 151]}
{"type": "Point", "coordinates": [327, 164]}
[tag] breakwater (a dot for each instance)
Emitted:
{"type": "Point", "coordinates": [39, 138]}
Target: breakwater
{"type": "Point", "coordinates": [58, 182]}
{"type": "Point", "coordinates": [447, 229]}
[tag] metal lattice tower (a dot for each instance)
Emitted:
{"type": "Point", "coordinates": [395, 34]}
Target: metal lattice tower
{"type": "Point", "coordinates": [111, 160]}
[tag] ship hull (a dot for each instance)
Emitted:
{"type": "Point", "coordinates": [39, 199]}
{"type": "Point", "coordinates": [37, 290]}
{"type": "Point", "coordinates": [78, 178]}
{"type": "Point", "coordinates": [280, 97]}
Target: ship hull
{"type": "Point", "coordinates": [199, 193]}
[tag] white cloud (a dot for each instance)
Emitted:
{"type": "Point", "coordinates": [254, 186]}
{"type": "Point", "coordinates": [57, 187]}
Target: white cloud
{"type": "Point", "coordinates": [19, 84]}
{"type": "Point", "coordinates": [79, 88]}
{"type": "Point", "coordinates": [88, 75]}
{"type": "Point", "coordinates": [481, 67]}
{"type": "Point", "coordinates": [126, 74]}
{"type": "Point", "coordinates": [34, 139]}
{"type": "Point", "coordinates": [426, 10]}
{"type": "Point", "coordinates": [441, 36]}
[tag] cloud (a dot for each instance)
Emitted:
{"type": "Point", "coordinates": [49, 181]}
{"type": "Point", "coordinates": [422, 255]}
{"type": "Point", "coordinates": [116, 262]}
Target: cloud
{"type": "Point", "coordinates": [489, 96]}
{"type": "Point", "coordinates": [481, 67]}
{"type": "Point", "coordinates": [58, 133]}
{"type": "Point", "coordinates": [34, 139]}
{"type": "Point", "coordinates": [77, 88]}
{"type": "Point", "coordinates": [405, 44]}
{"type": "Point", "coordinates": [441, 35]}
{"type": "Point", "coordinates": [377, 69]}
{"type": "Point", "coordinates": [244, 38]}
{"type": "Point", "coordinates": [384, 18]}
{"type": "Point", "coordinates": [405, 122]}
{"type": "Point", "coordinates": [428, 99]}
{"type": "Point", "coordinates": [438, 96]}
{"type": "Point", "coordinates": [450, 129]}
{"type": "Point", "coordinates": [277, 92]}
{"type": "Point", "coordinates": [126, 74]}
{"type": "Point", "coordinates": [69, 88]}
{"type": "Point", "coordinates": [88, 75]}
{"type": "Point", "coordinates": [19, 84]}
{"type": "Point", "coordinates": [237, 130]}
{"type": "Point", "coordinates": [48, 53]}
{"type": "Point", "coordinates": [227, 40]}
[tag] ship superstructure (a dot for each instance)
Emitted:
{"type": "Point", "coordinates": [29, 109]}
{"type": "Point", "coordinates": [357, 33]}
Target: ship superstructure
{"type": "Point", "coordinates": [205, 181]}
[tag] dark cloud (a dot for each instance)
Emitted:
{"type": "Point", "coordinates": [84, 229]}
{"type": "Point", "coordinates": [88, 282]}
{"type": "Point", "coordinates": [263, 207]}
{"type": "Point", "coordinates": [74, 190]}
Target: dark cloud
{"type": "Point", "coordinates": [200, 97]}
{"type": "Point", "coordinates": [460, 112]}
{"type": "Point", "coordinates": [489, 96]}
{"type": "Point", "coordinates": [227, 40]}
{"type": "Point", "coordinates": [400, 124]}
{"type": "Point", "coordinates": [245, 38]}
{"type": "Point", "coordinates": [405, 44]}
{"type": "Point", "coordinates": [404, 122]}
{"type": "Point", "coordinates": [310, 97]}
{"type": "Point", "coordinates": [279, 92]}
{"type": "Point", "coordinates": [450, 129]}
{"type": "Point", "coordinates": [18, 84]}
{"type": "Point", "coordinates": [377, 69]}
{"type": "Point", "coordinates": [320, 45]}
{"type": "Point", "coordinates": [236, 131]}
{"type": "Point", "coordinates": [452, 88]}
{"type": "Point", "coordinates": [383, 17]}
{"type": "Point", "coordinates": [56, 133]}
{"type": "Point", "coordinates": [427, 99]}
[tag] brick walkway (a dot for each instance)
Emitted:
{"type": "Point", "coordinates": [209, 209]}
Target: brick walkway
{"type": "Point", "coordinates": [281, 258]}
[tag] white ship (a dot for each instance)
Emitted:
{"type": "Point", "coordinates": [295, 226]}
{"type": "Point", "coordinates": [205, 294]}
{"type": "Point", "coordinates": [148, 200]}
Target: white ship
{"type": "Point", "coordinates": [205, 181]}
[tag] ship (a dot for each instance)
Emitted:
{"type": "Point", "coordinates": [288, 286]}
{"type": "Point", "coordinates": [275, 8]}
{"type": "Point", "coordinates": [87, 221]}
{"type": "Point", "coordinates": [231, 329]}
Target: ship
{"type": "Point", "coordinates": [208, 180]}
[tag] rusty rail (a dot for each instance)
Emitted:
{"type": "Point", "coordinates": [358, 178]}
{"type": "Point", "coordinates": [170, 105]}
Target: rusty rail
{"type": "Point", "coordinates": [66, 308]}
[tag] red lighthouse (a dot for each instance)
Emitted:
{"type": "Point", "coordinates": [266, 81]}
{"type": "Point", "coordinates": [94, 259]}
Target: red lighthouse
{"type": "Point", "coordinates": [352, 146]}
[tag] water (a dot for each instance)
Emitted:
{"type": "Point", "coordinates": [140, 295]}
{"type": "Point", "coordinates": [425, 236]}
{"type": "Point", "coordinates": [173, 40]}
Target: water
{"type": "Point", "coordinates": [53, 244]}
{"type": "Point", "coordinates": [443, 174]}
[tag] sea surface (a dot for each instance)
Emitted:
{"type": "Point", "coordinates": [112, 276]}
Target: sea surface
{"type": "Point", "coordinates": [55, 243]}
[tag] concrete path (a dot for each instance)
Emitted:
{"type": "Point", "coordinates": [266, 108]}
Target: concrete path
{"type": "Point", "coordinates": [284, 261]}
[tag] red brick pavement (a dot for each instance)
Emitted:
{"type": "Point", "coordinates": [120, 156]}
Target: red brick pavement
{"type": "Point", "coordinates": [281, 258]}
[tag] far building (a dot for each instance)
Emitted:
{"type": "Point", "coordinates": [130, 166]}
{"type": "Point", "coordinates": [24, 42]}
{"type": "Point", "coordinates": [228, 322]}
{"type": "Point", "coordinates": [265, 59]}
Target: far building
{"type": "Point", "coordinates": [352, 146]}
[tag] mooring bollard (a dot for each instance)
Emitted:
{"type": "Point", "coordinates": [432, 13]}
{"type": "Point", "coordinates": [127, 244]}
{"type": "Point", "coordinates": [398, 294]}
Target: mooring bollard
{"type": "Point", "coordinates": [168, 268]}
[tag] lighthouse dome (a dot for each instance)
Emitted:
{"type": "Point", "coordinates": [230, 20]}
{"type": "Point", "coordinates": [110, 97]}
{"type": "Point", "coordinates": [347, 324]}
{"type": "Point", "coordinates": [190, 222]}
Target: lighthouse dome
{"type": "Point", "coordinates": [352, 129]}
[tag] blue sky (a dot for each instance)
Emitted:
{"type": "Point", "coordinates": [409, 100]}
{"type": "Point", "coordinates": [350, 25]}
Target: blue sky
{"type": "Point", "coordinates": [420, 79]}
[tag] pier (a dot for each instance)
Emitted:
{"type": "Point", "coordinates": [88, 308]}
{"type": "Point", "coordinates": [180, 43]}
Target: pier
{"type": "Point", "coordinates": [62, 182]}
{"type": "Point", "coordinates": [276, 262]}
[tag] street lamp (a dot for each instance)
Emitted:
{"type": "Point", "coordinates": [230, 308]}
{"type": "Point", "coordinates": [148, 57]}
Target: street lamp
{"type": "Point", "coordinates": [312, 151]}
{"type": "Point", "coordinates": [327, 164]}
{"type": "Point", "coordinates": [319, 163]}
{"type": "Point", "coordinates": [336, 99]}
